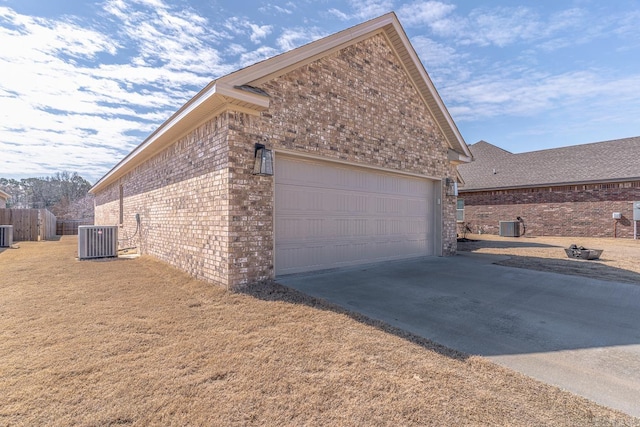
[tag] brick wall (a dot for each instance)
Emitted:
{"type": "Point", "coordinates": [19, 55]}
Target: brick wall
{"type": "Point", "coordinates": [449, 229]}
{"type": "Point", "coordinates": [356, 105]}
{"type": "Point", "coordinates": [202, 209]}
{"type": "Point", "coordinates": [181, 195]}
{"type": "Point", "coordinates": [580, 211]}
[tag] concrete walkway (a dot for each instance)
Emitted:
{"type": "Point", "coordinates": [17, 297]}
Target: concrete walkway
{"type": "Point", "coordinates": [580, 334]}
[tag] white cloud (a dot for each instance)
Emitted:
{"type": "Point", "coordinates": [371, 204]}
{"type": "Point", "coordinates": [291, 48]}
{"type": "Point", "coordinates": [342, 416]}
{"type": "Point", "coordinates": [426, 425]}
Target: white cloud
{"type": "Point", "coordinates": [532, 93]}
{"type": "Point", "coordinates": [288, 9]}
{"type": "Point", "coordinates": [339, 14]}
{"type": "Point", "coordinates": [259, 32]}
{"type": "Point", "coordinates": [295, 37]}
{"type": "Point", "coordinates": [627, 25]}
{"type": "Point", "coordinates": [40, 35]}
{"type": "Point", "coordinates": [72, 86]}
{"type": "Point", "coordinates": [257, 55]}
{"type": "Point", "coordinates": [500, 26]}
{"type": "Point", "coordinates": [479, 85]}
{"type": "Point", "coordinates": [94, 88]}
{"type": "Point", "coordinates": [235, 49]}
{"type": "Point", "coordinates": [241, 26]}
{"type": "Point", "coordinates": [168, 37]}
{"type": "Point", "coordinates": [364, 9]}
{"type": "Point", "coordinates": [421, 12]}
{"type": "Point", "coordinates": [434, 54]}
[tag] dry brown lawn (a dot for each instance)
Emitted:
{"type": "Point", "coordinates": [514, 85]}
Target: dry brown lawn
{"type": "Point", "coordinates": [135, 342]}
{"type": "Point", "coordinates": [618, 262]}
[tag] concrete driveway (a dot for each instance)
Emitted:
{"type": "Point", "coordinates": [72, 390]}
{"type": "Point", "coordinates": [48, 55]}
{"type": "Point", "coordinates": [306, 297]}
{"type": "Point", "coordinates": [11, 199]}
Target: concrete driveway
{"type": "Point", "coordinates": [580, 334]}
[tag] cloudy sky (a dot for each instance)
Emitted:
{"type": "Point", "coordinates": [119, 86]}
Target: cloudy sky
{"type": "Point", "coordinates": [82, 83]}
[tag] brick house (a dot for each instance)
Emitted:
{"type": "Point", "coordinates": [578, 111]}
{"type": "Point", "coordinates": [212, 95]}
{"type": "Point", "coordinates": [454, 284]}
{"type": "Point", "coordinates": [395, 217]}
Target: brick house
{"type": "Point", "coordinates": [568, 191]}
{"type": "Point", "coordinates": [363, 153]}
{"type": "Point", "coordinates": [3, 199]}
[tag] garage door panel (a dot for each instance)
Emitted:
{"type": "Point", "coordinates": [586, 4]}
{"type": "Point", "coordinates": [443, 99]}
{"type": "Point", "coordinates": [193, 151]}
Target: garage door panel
{"type": "Point", "coordinates": [294, 228]}
{"type": "Point", "coordinates": [330, 215]}
{"type": "Point", "coordinates": [330, 254]}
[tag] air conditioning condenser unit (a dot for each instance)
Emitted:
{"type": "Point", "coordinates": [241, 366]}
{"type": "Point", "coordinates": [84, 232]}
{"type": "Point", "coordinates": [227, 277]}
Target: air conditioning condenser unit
{"type": "Point", "coordinates": [510, 228]}
{"type": "Point", "coordinates": [97, 241]}
{"type": "Point", "coordinates": [6, 236]}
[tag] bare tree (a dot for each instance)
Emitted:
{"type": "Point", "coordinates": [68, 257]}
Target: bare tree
{"type": "Point", "coordinates": [65, 194]}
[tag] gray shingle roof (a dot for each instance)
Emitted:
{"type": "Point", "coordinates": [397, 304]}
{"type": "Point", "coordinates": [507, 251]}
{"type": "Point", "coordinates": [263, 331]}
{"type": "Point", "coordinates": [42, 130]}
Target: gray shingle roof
{"type": "Point", "coordinates": [607, 161]}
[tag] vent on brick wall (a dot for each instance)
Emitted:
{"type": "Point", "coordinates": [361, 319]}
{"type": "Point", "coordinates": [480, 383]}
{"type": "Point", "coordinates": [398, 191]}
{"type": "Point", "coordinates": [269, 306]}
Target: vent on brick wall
{"type": "Point", "coordinates": [6, 236]}
{"type": "Point", "coordinates": [97, 241]}
{"type": "Point", "coordinates": [510, 228]}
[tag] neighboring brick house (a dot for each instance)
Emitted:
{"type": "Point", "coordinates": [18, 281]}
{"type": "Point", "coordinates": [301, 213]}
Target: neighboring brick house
{"type": "Point", "coordinates": [3, 199]}
{"type": "Point", "coordinates": [363, 150]}
{"type": "Point", "coordinates": [568, 191]}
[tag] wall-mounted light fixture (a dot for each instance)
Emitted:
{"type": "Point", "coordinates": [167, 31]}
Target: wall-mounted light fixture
{"type": "Point", "coordinates": [451, 187]}
{"type": "Point", "coordinates": [263, 163]}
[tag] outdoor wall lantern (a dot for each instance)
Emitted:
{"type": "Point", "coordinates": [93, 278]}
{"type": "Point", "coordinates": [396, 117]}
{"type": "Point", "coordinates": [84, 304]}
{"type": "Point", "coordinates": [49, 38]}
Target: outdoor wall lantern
{"type": "Point", "coordinates": [451, 187]}
{"type": "Point", "coordinates": [263, 163]}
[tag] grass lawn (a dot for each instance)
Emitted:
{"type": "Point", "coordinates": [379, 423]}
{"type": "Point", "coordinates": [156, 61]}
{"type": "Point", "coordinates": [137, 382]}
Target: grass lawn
{"type": "Point", "coordinates": [135, 342]}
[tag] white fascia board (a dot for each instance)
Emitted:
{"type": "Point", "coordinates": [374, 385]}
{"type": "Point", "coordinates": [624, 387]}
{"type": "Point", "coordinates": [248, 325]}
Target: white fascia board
{"type": "Point", "coordinates": [213, 96]}
{"type": "Point", "coordinates": [261, 102]}
{"type": "Point", "coordinates": [282, 63]}
{"type": "Point", "coordinates": [153, 139]}
{"type": "Point", "coordinates": [457, 158]}
{"type": "Point", "coordinates": [432, 89]}
{"type": "Point", "coordinates": [549, 185]}
{"type": "Point", "coordinates": [307, 52]}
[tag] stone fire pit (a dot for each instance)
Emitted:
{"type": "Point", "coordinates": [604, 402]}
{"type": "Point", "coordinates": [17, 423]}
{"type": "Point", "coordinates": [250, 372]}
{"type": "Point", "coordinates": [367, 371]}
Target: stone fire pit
{"type": "Point", "coordinates": [580, 252]}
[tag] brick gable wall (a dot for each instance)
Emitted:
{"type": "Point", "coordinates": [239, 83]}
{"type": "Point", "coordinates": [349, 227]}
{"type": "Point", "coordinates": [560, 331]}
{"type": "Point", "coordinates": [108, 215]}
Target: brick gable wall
{"type": "Point", "coordinates": [580, 211]}
{"type": "Point", "coordinates": [202, 209]}
{"type": "Point", "coordinates": [356, 105]}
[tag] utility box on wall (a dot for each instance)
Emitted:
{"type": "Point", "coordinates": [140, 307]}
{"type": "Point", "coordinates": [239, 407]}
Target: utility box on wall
{"type": "Point", "coordinates": [636, 211]}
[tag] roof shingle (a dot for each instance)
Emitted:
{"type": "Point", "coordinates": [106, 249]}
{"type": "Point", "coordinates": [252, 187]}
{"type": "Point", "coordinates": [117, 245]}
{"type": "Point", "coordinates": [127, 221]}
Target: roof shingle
{"type": "Point", "coordinates": [495, 168]}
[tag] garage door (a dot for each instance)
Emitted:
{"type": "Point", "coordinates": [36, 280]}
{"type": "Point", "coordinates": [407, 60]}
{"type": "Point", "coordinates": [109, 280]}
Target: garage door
{"type": "Point", "coordinates": [330, 215]}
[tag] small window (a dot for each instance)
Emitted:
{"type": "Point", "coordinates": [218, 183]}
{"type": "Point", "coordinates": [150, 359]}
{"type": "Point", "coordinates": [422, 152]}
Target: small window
{"type": "Point", "coordinates": [121, 204]}
{"type": "Point", "coordinates": [460, 210]}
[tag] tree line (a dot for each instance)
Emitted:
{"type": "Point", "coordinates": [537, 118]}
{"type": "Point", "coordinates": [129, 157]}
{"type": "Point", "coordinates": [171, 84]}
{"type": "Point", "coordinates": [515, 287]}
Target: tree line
{"type": "Point", "coordinates": [65, 194]}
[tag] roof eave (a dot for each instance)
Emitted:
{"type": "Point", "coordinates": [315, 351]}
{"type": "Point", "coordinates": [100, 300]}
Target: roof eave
{"type": "Point", "coordinates": [426, 88]}
{"type": "Point", "coordinates": [387, 24]}
{"type": "Point", "coordinates": [551, 184]}
{"type": "Point", "coordinates": [456, 158]}
{"type": "Point", "coordinates": [213, 99]}
{"type": "Point", "coordinates": [226, 92]}
{"type": "Point", "coordinates": [285, 62]}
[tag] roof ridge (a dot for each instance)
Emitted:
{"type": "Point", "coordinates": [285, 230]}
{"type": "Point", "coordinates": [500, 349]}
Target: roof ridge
{"type": "Point", "coordinates": [590, 144]}
{"type": "Point", "coordinates": [483, 143]}
{"type": "Point", "coordinates": [605, 161]}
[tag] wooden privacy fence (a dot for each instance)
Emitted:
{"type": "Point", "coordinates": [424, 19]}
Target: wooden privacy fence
{"type": "Point", "coordinates": [65, 227]}
{"type": "Point", "coordinates": [29, 224]}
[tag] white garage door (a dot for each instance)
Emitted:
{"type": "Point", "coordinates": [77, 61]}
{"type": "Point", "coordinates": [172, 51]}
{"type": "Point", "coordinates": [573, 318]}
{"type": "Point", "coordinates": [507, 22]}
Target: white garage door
{"type": "Point", "coordinates": [330, 215]}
